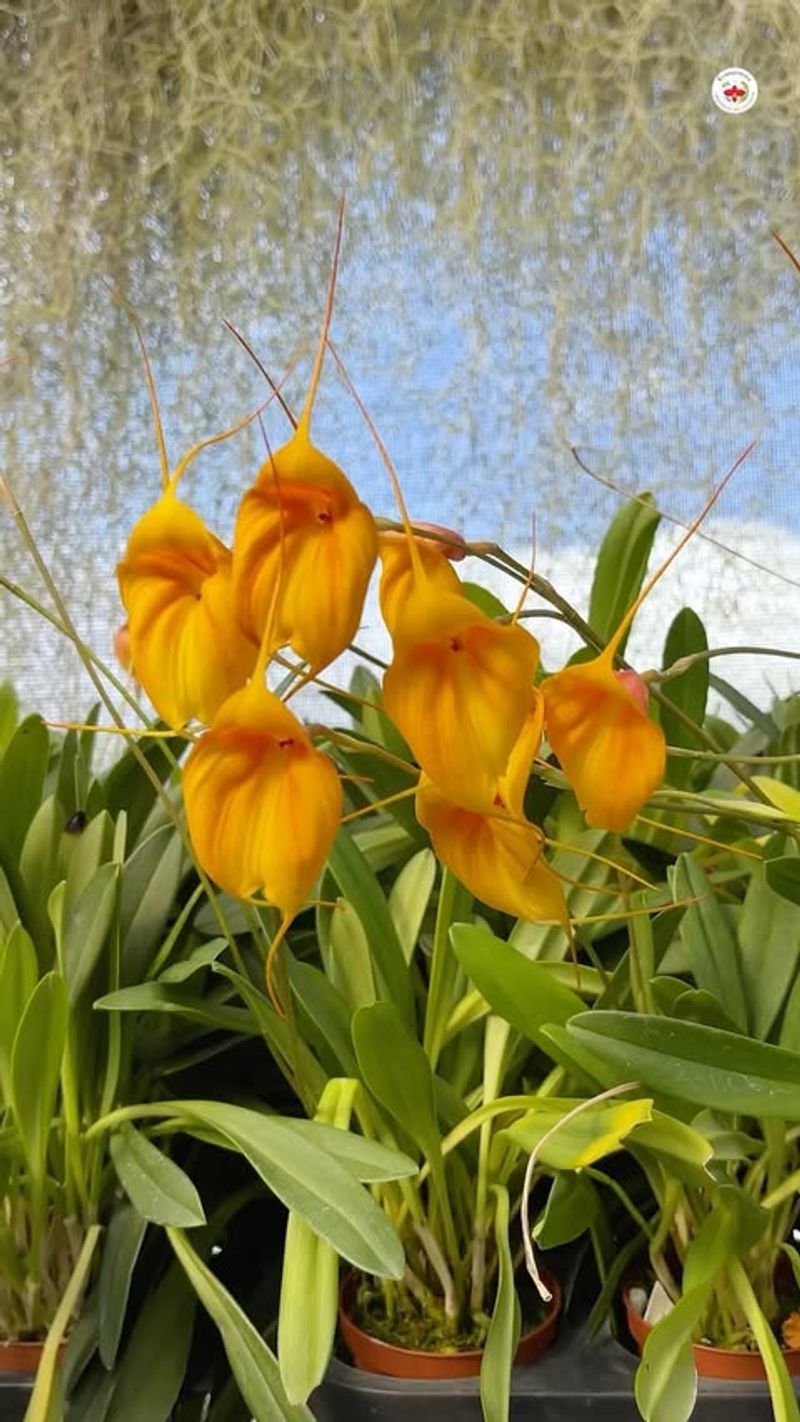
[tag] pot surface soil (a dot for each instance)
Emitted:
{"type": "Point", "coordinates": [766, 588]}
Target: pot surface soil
{"type": "Point", "coordinates": [733, 1363]}
{"type": "Point", "coordinates": [373, 1355]}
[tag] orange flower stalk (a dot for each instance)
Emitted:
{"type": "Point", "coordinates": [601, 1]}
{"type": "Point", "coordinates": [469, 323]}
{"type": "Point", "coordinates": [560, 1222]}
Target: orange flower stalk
{"type": "Point", "coordinates": [458, 689]}
{"type": "Point", "coordinates": [496, 852]}
{"type": "Point", "coordinates": [305, 545]}
{"type": "Point", "coordinates": [262, 804]}
{"type": "Point", "coordinates": [186, 645]}
{"type": "Point", "coordinates": [613, 755]}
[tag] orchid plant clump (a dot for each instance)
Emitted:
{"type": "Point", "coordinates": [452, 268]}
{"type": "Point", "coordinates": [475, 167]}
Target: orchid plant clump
{"type": "Point", "coordinates": [465, 721]}
{"type": "Point", "coordinates": [263, 800]}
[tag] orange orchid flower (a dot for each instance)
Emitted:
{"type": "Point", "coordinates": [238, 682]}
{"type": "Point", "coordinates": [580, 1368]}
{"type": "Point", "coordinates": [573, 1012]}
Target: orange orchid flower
{"type": "Point", "coordinates": [613, 755]}
{"type": "Point", "coordinates": [596, 717]}
{"type": "Point", "coordinates": [183, 639]}
{"type": "Point", "coordinates": [458, 689]}
{"type": "Point", "coordinates": [187, 647]}
{"type": "Point", "coordinates": [397, 565]}
{"type": "Point", "coordinates": [262, 804]}
{"type": "Point", "coordinates": [305, 545]}
{"type": "Point", "coordinates": [496, 852]}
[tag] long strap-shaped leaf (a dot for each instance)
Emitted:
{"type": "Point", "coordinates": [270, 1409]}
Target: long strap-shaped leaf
{"type": "Point", "coordinates": [253, 1365]}
{"type": "Point", "coordinates": [44, 1405]}
{"type": "Point", "coordinates": [781, 1391]}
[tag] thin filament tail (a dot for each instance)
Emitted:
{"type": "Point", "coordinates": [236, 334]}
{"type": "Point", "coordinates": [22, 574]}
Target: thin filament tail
{"type": "Point", "coordinates": [416, 561]}
{"type": "Point", "coordinates": [275, 385]}
{"type": "Point", "coordinates": [163, 460]}
{"type": "Point", "coordinates": [304, 422]}
{"type": "Point", "coordinates": [670, 559]}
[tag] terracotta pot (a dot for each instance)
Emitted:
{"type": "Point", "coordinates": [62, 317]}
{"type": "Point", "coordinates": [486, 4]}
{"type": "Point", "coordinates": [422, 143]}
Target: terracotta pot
{"type": "Point", "coordinates": [372, 1355]}
{"type": "Point", "coordinates": [17, 1357]}
{"type": "Point", "coordinates": [732, 1363]}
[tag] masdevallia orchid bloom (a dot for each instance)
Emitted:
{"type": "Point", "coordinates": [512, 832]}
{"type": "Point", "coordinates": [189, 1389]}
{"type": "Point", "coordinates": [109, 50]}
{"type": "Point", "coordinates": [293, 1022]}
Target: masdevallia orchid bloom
{"type": "Point", "coordinates": [187, 647]}
{"type": "Point", "coordinates": [305, 545]}
{"type": "Point", "coordinates": [458, 689]}
{"type": "Point", "coordinates": [495, 851]}
{"type": "Point", "coordinates": [262, 803]}
{"type": "Point", "coordinates": [613, 755]}
{"type": "Point", "coordinates": [398, 569]}
{"type": "Point", "coordinates": [596, 717]}
{"type": "Point", "coordinates": [305, 542]}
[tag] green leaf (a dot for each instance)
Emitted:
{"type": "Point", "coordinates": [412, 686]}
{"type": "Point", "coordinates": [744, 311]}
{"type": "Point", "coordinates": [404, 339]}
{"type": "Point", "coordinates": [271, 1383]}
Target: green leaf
{"type": "Point", "coordinates": [120, 1251]}
{"type": "Point", "coordinates": [9, 713]}
{"type": "Point", "coordinates": [200, 957]}
{"type": "Point", "coordinates": [769, 937]}
{"type": "Point", "coordinates": [22, 774]}
{"type": "Point", "coordinates": [308, 1309]}
{"type": "Point", "coordinates": [757, 718]}
{"type": "Point", "coordinates": [709, 942]}
{"type": "Point", "coordinates": [309, 1180]}
{"type": "Point", "coordinates": [89, 850]}
{"type": "Point", "coordinates": [180, 1002]}
{"type": "Point", "coordinates": [699, 1005]}
{"type": "Point", "coordinates": [46, 1400]}
{"type": "Point", "coordinates": [154, 1184]}
{"type": "Point", "coordinates": [666, 1381]}
{"type": "Point", "coordinates": [254, 1367]}
{"type": "Point", "coordinates": [790, 1026]}
{"type": "Point", "coordinates": [572, 1206]}
{"type": "Point", "coordinates": [128, 788]}
{"type": "Point", "coordinates": [310, 1277]}
{"type": "Point", "coordinates": [409, 898]}
{"type": "Point", "coordinates": [38, 868]}
{"type": "Point", "coordinates": [368, 1161]}
{"type": "Point", "coordinates": [327, 1009]}
{"type": "Point", "coordinates": [359, 885]}
{"type": "Point", "coordinates": [621, 565]}
{"type": "Point", "coordinates": [348, 961]}
{"type": "Point", "coordinates": [688, 692]}
{"type": "Point", "coordinates": [521, 991]}
{"type": "Point", "coordinates": [153, 1366]}
{"type": "Point", "coordinates": [783, 877]}
{"type": "Point", "coordinates": [483, 599]}
{"type": "Point", "coordinates": [702, 1065]}
{"type": "Point", "coordinates": [682, 1149]}
{"type": "Point", "coordinates": [397, 1072]}
{"type": "Point", "coordinates": [781, 1391]}
{"type": "Point", "coordinates": [291, 1053]}
{"type": "Point", "coordinates": [86, 929]}
{"type": "Point", "coordinates": [149, 884]}
{"type": "Point", "coordinates": [504, 1329]}
{"type": "Point", "coordinates": [35, 1067]}
{"type": "Point", "coordinates": [19, 973]}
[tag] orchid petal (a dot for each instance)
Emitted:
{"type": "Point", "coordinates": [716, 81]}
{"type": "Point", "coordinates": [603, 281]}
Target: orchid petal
{"type": "Point", "coordinates": [613, 755]}
{"type": "Point", "coordinates": [304, 550]}
{"type": "Point", "coordinates": [262, 804]}
{"type": "Point", "coordinates": [187, 647]}
{"type": "Point", "coordinates": [498, 857]}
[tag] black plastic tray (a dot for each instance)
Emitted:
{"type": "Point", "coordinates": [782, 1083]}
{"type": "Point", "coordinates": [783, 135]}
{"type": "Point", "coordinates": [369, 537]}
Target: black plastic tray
{"type": "Point", "coordinates": [14, 1398]}
{"type": "Point", "coordinates": [575, 1380]}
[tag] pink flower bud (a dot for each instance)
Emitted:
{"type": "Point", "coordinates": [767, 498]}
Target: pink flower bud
{"type": "Point", "coordinates": [635, 687]}
{"type": "Point", "coordinates": [122, 646]}
{"type": "Point", "coordinates": [455, 550]}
